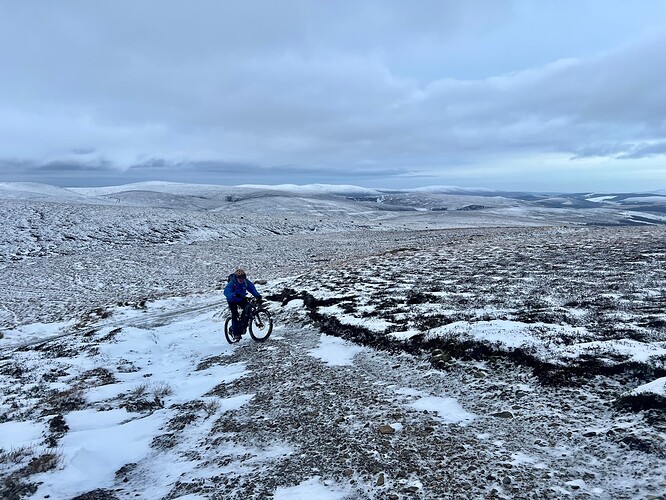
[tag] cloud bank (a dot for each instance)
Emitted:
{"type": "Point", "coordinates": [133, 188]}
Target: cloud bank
{"type": "Point", "coordinates": [304, 90]}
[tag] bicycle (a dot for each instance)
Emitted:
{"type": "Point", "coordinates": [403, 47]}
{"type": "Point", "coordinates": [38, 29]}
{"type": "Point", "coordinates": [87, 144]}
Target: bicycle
{"type": "Point", "coordinates": [256, 317]}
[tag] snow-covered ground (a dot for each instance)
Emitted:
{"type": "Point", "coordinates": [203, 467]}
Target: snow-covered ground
{"type": "Point", "coordinates": [458, 361]}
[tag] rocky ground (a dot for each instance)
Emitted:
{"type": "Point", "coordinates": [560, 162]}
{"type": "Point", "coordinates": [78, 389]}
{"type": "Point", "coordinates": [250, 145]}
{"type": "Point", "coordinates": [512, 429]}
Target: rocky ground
{"type": "Point", "coordinates": [402, 412]}
{"type": "Point", "coordinates": [361, 425]}
{"type": "Point", "coordinates": [364, 424]}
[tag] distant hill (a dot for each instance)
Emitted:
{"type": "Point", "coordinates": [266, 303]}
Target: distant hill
{"type": "Point", "coordinates": [316, 199]}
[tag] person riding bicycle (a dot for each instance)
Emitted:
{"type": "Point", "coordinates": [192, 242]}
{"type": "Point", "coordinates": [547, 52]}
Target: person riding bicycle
{"type": "Point", "coordinates": [235, 292]}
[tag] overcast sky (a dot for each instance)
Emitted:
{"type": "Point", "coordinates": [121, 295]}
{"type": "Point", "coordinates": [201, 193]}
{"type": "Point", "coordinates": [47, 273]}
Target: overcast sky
{"type": "Point", "coordinates": [566, 95]}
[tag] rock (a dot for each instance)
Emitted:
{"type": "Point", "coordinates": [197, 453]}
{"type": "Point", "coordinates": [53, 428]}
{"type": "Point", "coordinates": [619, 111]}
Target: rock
{"type": "Point", "coordinates": [502, 414]}
{"type": "Point", "coordinates": [58, 425]}
{"type": "Point", "coordinates": [380, 480]}
{"type": "Point", "coordinates": [412, 489]}
{"type": "Point", "coordinates": [348, 472]}
{"type": "Point", "coordinates": [444, 357]}
{"type": "Point", "coordinates": [589, 434]}
{"type": "Point", "coordinates": [386, 429]}
{"type": "Point", "coordinates": [506, 480]}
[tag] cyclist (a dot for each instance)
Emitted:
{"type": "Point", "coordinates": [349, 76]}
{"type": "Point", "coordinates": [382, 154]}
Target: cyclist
{"type": "Point", "coordinates": [235, 292]}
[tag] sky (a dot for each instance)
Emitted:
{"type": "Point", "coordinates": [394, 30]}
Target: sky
{"type": "Point", "coordinates": [500, 94]}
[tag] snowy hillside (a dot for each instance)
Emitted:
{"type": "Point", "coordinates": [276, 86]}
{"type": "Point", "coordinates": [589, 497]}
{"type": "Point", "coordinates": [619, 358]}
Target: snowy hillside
{"type": "Point", "coordinates": [512, 351]}
{"type": "Point", "coordinates": [444, 206]}
{"type": "Point", "coordinates": [40, 192]}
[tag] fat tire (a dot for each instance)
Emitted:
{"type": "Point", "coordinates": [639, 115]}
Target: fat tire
{"type": "Point", "coordinates": [261, 317]}
{"type": "Point", "coordinates": [227, 332]}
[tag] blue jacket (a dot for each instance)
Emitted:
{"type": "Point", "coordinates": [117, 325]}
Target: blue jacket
{"type": "Point", "coordinates": [235, 290]}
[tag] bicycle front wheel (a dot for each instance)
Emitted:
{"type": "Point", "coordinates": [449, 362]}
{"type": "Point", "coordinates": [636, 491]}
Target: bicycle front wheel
{"type": "Point", "coordinates": [261, 325]}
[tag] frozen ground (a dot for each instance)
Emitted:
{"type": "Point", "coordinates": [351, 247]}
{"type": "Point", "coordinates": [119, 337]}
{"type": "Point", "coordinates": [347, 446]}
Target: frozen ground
{"type": "Point", "coordinates": [460, 362]}
{"type": "Point", "coordinates": [163, 408]}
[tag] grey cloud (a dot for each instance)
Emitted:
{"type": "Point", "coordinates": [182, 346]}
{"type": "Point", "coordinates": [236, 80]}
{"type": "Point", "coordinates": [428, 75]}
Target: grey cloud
{"type": "Point", "coordinates": [135, 87]}
{"type": "Point", "coordinates": [645, 151]}
{"type": "Point", "coordinates": [70, 173]}
{"type": "Point", "coordinates": [289, 107]}
{"type": "Point", "coordinates": [617, 97]}
{"type": "Point", "coordinates": [73, 166]}
{"type": "Point", "coordinates": [255, 170]}
{"type": "Point", "coordinates": [601, 149]}
{"type": "Point", "coordinates": [83, 151]}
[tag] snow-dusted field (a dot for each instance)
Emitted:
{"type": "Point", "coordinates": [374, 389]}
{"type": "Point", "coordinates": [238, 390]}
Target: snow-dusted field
{"type": "Point", "coordinates": [415, 355]}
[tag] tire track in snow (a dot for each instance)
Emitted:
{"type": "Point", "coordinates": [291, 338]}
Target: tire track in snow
{"type": "Point", "coordinates": [148, 321]}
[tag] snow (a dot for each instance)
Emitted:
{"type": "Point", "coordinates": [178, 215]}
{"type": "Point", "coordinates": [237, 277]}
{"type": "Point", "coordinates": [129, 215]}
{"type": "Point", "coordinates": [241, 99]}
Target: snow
{"type": "Point", "coordinates": [92, 455]}
{"type": "Point", "coordinates": [33, 331]}
{"type": "Point", "coordinates": [100, 442]}
{"type": "Point", "coordinates": [645, 215]}
{"type": "Point", "coordinates": [657, 387]}
{"type": "Point", "coordinates": [17, 434]}
{"type": "Point", "coordinates": [310, 189]}
{"type": "Point", "coordinates": [598, 199]}
{"type": "Point", "coordinates": [522, 459]}
{"type": "Point", "coordinates": [452, 189]}
{"type": "Point", "coordinates": [90, 420]}
{"type": "Point", "coordinates": [311, 489]}
{"type": "Point", "coordinates": [35, 191]}
{"type": "Point", "coordinates": [510, 334]}
{"type": "Point", "coordinates": [109, 320]}
{"type": "Point", "coordinates": [629, 349]}
{"type": "Point", "coordinates": [658, 200]}
{"type": "Point", "coordinates": [568, 345]}
{"type": "Point", "coordinates": [447, 409]}
{"type": "Point", "coordinates": [335, 351]}
{"type": "Point", "coordinates": [371, 323]}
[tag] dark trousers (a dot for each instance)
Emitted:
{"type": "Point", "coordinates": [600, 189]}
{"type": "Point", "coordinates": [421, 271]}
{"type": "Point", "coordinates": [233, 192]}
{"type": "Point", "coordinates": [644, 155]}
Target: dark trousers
{"type": "Point", "coordinates": [236, 309]}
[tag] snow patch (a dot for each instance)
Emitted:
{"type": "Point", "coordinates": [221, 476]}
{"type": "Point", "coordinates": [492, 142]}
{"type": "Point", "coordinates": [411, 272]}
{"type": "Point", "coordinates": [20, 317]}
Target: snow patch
{"type": "Point", "coordinates": [311, 489]}
{"type": "Point", "coordinates": [448, 409]}
{"type": "Point", "coordinates": [16, 434]}
{"type": "Point", "coordinates": [92, 455]}
{"type": "Point", "coordinates": [657, 387]}
{"type": "Point", "coordinates": [335, 351]}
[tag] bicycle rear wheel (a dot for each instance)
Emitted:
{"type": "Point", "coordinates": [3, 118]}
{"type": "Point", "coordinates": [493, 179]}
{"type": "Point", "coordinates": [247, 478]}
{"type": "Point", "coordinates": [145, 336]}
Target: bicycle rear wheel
{"type": "Point", "coordinates": [261, 325]}
{"type": "Point", "coordinates": [227, 332]}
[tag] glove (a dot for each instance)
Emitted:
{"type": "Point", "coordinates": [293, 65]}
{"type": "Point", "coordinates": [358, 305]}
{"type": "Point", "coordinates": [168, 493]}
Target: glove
{"type": "Point", "coordinates": [260, 299]}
